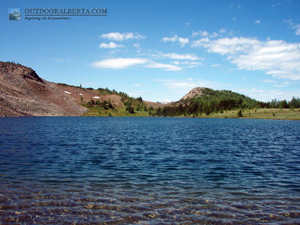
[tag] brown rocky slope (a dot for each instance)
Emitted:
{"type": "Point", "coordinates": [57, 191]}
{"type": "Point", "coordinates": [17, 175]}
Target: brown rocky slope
{"type": "Point", "coordinates": [195, 92]}
{"type": "Point", "coordinates": [24, 93]}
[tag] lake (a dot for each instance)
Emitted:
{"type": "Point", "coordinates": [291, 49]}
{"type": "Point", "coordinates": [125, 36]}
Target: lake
{"type": "Point", "coordinates": [109, 170]}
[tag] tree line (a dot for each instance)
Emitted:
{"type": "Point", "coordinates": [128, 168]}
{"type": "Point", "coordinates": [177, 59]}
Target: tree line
{"type": "Point", "coordinates": [199, 106]}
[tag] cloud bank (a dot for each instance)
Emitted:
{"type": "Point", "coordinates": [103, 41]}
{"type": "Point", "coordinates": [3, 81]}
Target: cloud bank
{"type": "Point", "coordinates": [175, 38]}
{"type": "Point", "coordinates": [116, 36]}
{"type": "Point", "coordinates": [276, 57]}
{"type": "Point", "coordinates": [110, 45]}
{"type": "Point", "coordinates": [119, 63]}
{"type": "Point", "coordinates": [123, 63]}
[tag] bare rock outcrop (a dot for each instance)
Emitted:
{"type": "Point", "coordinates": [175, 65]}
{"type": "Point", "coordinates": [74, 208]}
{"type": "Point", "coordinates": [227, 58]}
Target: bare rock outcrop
{"type": "Point", "coordinates": [195, 92]}
{"type": "Point", "coordinates": [24, 93]}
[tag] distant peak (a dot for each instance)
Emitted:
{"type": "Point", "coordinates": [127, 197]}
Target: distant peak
{"type": "Point", "coordinates": [19, 70]}
{"type": "Point", "coordinates": [195, 92]}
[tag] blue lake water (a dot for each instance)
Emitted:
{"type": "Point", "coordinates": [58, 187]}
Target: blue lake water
{"type": "Point", "coordinates": [69, 170]}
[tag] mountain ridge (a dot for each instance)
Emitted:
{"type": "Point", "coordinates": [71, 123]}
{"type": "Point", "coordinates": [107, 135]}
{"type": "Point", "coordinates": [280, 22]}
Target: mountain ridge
{"type": "Point", "coordinates": [24, 93]}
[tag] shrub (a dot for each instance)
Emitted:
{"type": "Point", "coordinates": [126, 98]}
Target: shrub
{"type": "Point", "coordinates": [240, 114]}
{"type": "Point", "coordinates": [207, 111]}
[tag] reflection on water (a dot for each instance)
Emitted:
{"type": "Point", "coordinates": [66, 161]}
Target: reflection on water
{"type": "Point", "coordinates": [149, 171]}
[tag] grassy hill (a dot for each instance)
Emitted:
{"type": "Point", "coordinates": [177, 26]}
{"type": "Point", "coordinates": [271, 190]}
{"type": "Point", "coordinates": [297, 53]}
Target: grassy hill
{"type": "Point", "coordinates": [106, 102]}
{"type": "Point", "coordinates": [209, 103]}
{"type": "Point", "coordinates": [225, 98]}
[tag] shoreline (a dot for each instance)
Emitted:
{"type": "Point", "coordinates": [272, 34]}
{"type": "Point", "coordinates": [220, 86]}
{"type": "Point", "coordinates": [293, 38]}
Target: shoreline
{"type": "Point", "coordinates": [262, 113]}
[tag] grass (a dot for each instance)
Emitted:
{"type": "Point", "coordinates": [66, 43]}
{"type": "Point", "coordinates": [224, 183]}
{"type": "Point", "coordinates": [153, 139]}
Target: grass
{"type": "Point", "coordinates": [119, 111]}
{"type": "Point", "coordinates": [277, 114]}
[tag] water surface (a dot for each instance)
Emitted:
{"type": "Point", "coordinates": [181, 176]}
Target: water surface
{"type": "Point", "coordinates": [68, 170]}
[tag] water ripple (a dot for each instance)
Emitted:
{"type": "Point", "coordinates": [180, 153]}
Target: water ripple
{"type": "Point", "coordinates": [149, 171]}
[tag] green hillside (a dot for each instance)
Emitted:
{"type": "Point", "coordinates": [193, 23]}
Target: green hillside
{"type": "Point", "coordinates": [224, 98]}
{"type": "Point", "coordinates": [206, 101]}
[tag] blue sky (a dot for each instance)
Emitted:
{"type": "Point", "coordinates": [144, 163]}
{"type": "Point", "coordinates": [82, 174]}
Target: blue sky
{"type": "Point", "coordinates": [160, 50]}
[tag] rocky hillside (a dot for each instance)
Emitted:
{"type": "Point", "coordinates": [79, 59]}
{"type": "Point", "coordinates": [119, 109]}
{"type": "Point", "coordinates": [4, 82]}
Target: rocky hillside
{"type": "Point", "coordinates": [24, 93]}
{"type": "Point", "coordinates": [195, 92]}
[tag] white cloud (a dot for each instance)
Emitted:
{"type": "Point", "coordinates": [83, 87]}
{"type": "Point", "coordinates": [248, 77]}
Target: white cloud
{"type": "Point", "coordinates": [168, 67]}
{"type": "Point", "coordinates": [293, 26]}
{"type": "Point", "coordinates": [188, 63]}
{"type": "Point", "coordinates": [180, 56]}
{"type": "Point", "coordinates": [226, 45]}
{"type": "Point", "coordinates": [172, 39]}
{"type": "Point", "coordinates": [184, 86]}
{"type": "Point", "coordinates": [110, 45]}
{"type": "Point", "coordinates": [57, 59]}
{"type": "Point", "coordinates": [192, 64]}
{"type": "Point", "coordinates": [119, 63]}
{"type": "Point", "coordinates": [183, 41]}
{"type": "Point", "coordinates": [214, 34]}
{"type": "Point", "coordinates": [137, 85]}
{"type": "Point", "coordinates": [279, 85]}
{"type": "Point", "coordinates": [116, 36]}
{"type": "Point", "coordinates": [200, 33]}
{"type": "Point", "coordinates": [176, 56]}
{"type": "Point", "coordinates": [257, 21]}
{"type": "Point", "coordinates": [297, 28]}
{"type": "Point", "coordinates": [206, 34]}
{"type": "Point", "coordinates": [123, 63]}
{"type": "Point", "coordinates": [216, 65]}
{"type": "Point", "coordinates": [203, 33]}
{"type": "Point", "coordinates": [222, 31]}
{"type": "Point", "coordinates": [181, 85]}
{"type": "Point", "coordinates": [175, 38]}
{"type": "Point", "coordinates": [136, 45]}
{"type": "Point", "coordinates": [265, 95]}
{"type": "Point", "coordinates": [282, 84]}
{"type": "Point", "coordinates": [276, 57]}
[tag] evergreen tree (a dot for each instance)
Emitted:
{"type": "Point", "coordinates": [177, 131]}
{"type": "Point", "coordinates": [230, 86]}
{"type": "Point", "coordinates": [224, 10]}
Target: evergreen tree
{"type": "Point", "coordinates": [207, 111]}
{"type": "Point", "coordinates": [240, 114]}
{"type": "Point", "coordinates": [130, 109]}
{"type": "Point", "coordinates": [283, 104]}
{"type": "Point", "coordinates": [158, 111]}
{"type": "Point", "coordinates": [139, 99]}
